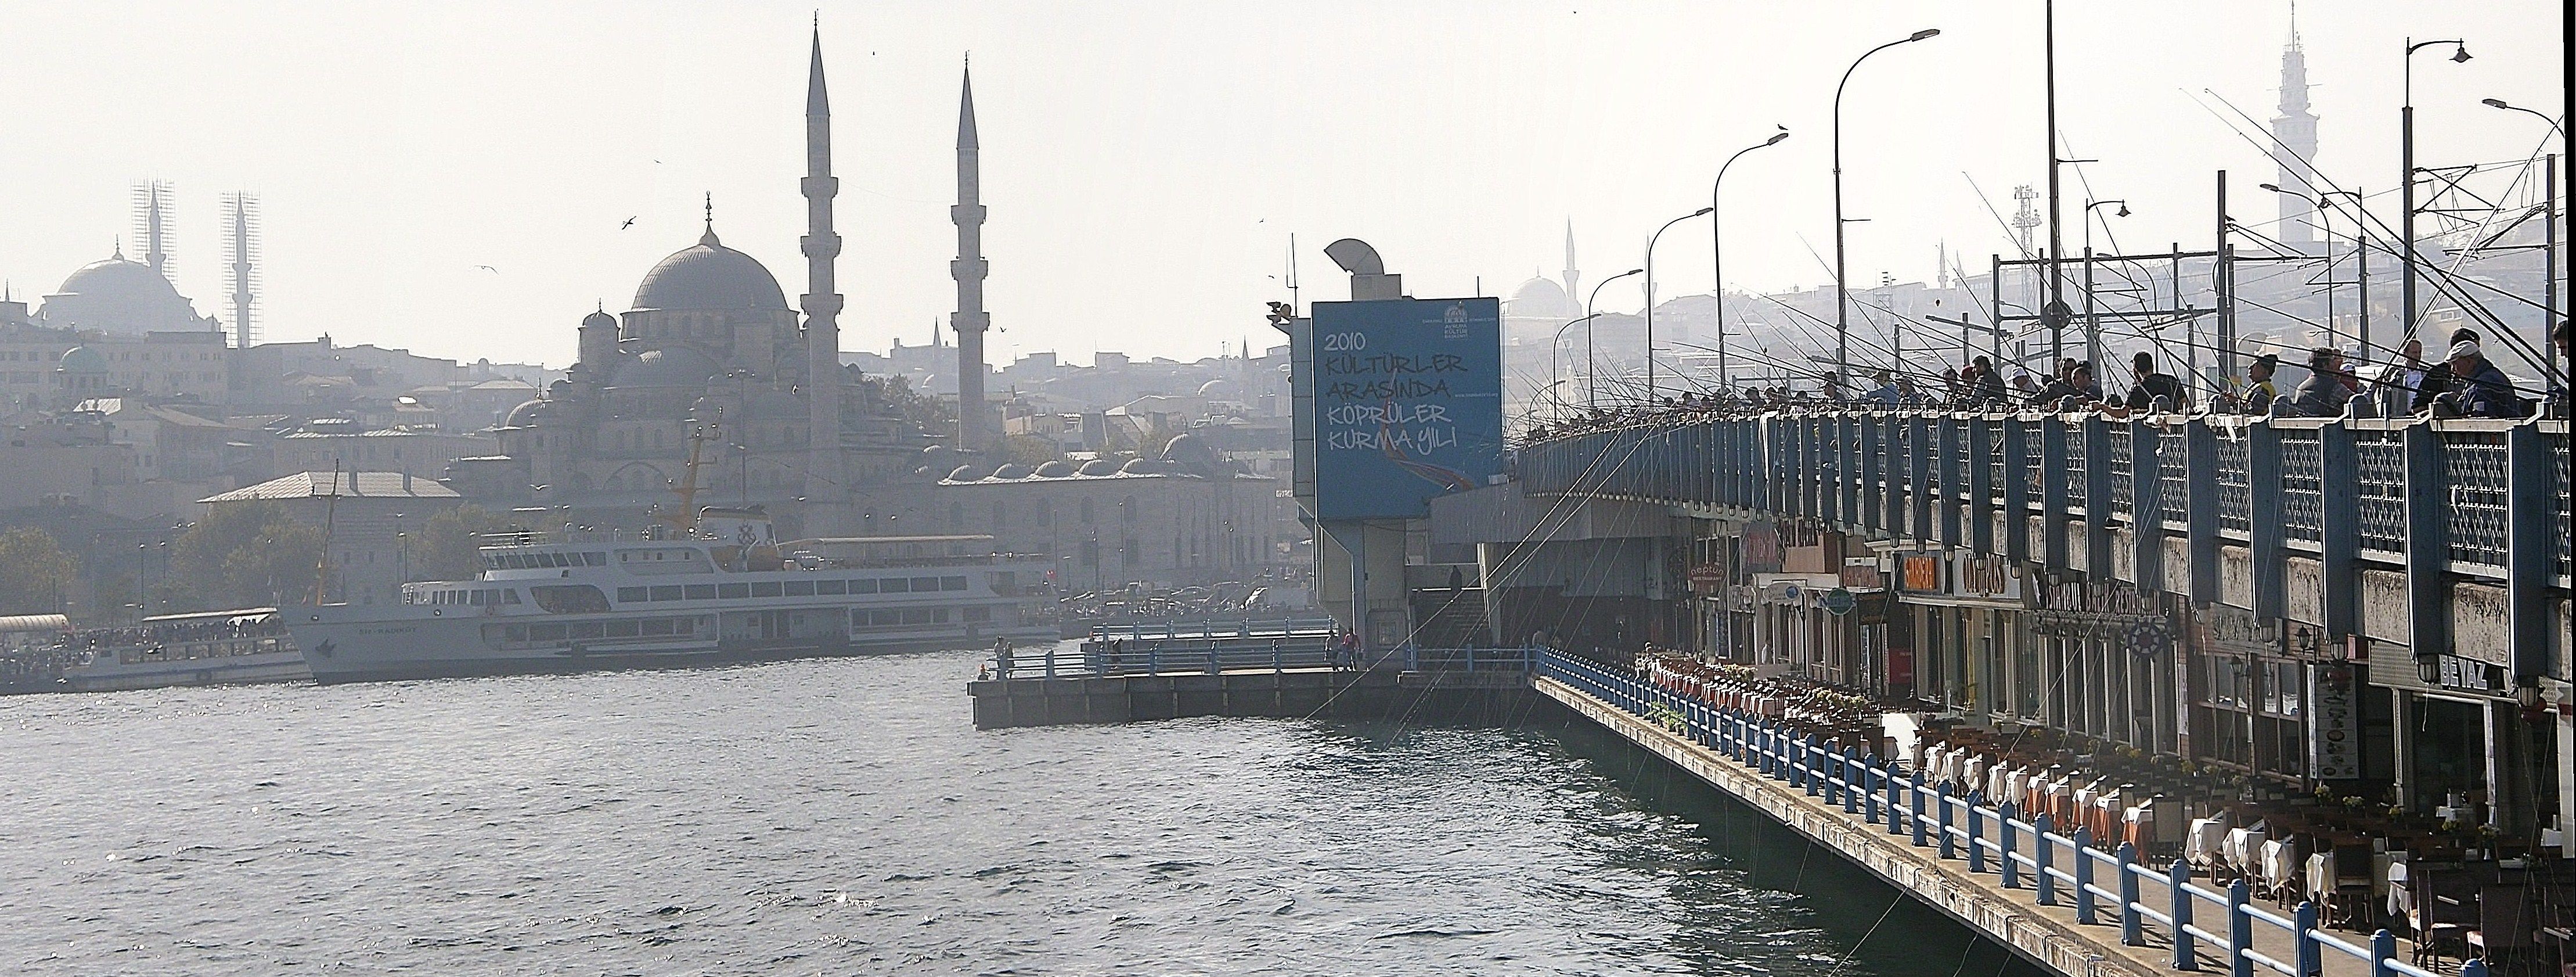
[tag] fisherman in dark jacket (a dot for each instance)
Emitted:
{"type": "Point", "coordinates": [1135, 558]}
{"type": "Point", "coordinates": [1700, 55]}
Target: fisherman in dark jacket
{"type": "Point", "coordinates": [2324, 392]}
{"type": "Point", "coordinates": [2477, 388]}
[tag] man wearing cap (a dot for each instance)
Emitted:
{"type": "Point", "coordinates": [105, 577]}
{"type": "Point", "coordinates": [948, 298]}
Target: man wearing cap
{"type": "Point", "coordinates": [2477, 388]}
{"type": "Point", "coordinates": [2437, 378]}
{"type": "Point", "coordinates": [2324, 392]}
{"type": "Point", "coordinates": [2259, 390]}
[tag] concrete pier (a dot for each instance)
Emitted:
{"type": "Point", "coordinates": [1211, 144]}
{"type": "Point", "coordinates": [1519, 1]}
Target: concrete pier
{"type": "Point", "coordinates": [1495, 697]}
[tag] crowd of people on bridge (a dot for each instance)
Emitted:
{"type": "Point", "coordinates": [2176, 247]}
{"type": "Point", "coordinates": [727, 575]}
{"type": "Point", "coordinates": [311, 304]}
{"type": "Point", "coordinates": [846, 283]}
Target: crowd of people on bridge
{"type": "Point", "coordinates": [2464, 382]}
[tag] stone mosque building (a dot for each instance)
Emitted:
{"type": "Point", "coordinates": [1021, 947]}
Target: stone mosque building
{"type": "Point", "coordinates": [711, 357]}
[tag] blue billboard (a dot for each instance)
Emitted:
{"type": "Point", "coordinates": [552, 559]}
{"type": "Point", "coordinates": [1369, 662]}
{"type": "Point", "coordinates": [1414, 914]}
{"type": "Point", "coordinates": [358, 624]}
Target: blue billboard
{"type": "Point", "coordinates": [1408, 401]}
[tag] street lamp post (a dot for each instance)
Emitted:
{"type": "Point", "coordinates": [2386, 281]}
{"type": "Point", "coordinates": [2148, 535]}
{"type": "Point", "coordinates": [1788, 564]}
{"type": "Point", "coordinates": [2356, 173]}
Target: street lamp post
{"type": "Point", "coordinates": [2092, 315]}
{"type": "Point", "coordinates": [1556, 359]}
{"type": "Point", "coordinates": [1842, 294]}
{"type": "Point", "coordinates": [1591, 372]}
{"type": "Point", "coordinates": [2498, 103]}
{"type": "Point", "coordinates": [2406, 166]}
{"type": "Point", "coordinates": [1717, 249]}
{"type": "Point", "coordinates": [1650, 296]}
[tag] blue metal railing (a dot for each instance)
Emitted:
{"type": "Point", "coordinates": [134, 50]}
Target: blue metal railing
{"type": "Point", "coordinates": [1995, 839]}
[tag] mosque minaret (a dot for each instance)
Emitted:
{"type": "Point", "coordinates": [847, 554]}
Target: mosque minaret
{"type": "Point", "coordinates": [970, 320]}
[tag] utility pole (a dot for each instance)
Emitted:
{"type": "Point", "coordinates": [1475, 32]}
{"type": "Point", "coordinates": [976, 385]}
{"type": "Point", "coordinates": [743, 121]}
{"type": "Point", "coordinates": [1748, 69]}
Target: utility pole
{"type": "Point", "coordinates": [2056, 312]}
{"type": "Point", "coordinates": [2222, 284]}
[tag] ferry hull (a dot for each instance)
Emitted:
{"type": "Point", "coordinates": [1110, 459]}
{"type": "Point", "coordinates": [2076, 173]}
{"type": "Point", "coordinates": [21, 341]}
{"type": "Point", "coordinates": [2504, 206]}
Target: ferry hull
{"type": "Point", "coordinates": [241, 670]}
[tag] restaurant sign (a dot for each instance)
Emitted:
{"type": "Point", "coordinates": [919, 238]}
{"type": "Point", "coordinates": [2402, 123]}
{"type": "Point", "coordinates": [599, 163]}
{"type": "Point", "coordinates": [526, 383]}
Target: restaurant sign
{"type": "Point", "coordinates": [1921, 572]}
{"type": "Point", "coordinates": [1987, 577]}
{"type": "Point", "coordinates": [2334, 723]}
{"type": "Point", "coordinates": [2114, 611]}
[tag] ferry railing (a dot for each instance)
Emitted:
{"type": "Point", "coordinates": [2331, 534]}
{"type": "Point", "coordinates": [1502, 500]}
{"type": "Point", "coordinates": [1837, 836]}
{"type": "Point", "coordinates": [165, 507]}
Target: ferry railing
{"type": "Point", "coordinates": [1994, 839]}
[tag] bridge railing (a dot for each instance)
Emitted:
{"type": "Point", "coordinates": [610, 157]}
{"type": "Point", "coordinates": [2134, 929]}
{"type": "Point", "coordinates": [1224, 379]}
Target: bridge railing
{"type": "Point", "coordinates": [1198, 656]}
{"type": "Point", "coordinates": [1995, 839]}
{"type": "Point", "coordinates": [2438, 500]}
{"type": "Point", "coordinates": [1289, 627]}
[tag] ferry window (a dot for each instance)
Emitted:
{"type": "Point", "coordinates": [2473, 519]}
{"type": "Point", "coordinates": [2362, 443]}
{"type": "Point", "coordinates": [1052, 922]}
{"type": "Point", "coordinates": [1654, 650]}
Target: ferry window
{"type": "Point", "coordinates": [916, 615]}
{"type": "Point", "coordinates": [939, 614]}
{"type": "Point", "coordinates": [977, 614]}
{"type": "Point", "coordinates": [924, 585]}
{"type": "Point", "coordinates": [764, 588]}
{"type": "Point", "coordinates": [800, 588]}
{"type": "Point", "coordinates": [952, 583]}
{"type": "Point", "coordinates": [595, 559]}
{"type": "Point", "coordinates": [894, 585]}
{"type": "Point", "coordinates": [688, 625]}
{"type": "Point", "coordinates": [570, 599]}
{"type": "Point", "coordinates": [621, 629]}
{"type": "Point", "coordinates": [474, 598]}
{"type": "Point", "coordinates": [831, 587]}
{"type": "Point", "coordinates": [658, 625]}
{"type": "Point", "coordinates": [509, 597]}
{"type": "Point", "coordinates": [702, 591]}
{"type": "Point", "coordinates": [628, 595]}
{"type": "Point", "coordinates": [517, 632]}
{"type": "Point", "coordinates": [863, 586]}
{"type": "Point", "coordinates": [730, 590]}
{"type": "Point", "coordinates": [582, 629]}
{"type": "Point", "coordinates": [545, 632]}
{"type": "Point", "coordinates": [666, 593]}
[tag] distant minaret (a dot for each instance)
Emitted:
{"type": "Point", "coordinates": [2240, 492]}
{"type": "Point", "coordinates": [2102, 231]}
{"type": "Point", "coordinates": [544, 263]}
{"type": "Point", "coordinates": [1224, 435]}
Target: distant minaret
{"type": "Point", "coordinates": [1572, 277]}
{"type": "Point", "coordinates": [2295, 135]}
{"type": "Point", "coordinates": [970, 319]}
{"type": "Point", "coordinates": [241, 254]}
{"type": "Point", "coordinates": [152, 223]}
{"type": "Point", "coordinates": [822, 303]}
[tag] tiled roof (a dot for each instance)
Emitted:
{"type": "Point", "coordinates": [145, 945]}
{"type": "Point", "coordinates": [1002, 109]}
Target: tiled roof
{"type": "Point", "coordinates": [308, 485]}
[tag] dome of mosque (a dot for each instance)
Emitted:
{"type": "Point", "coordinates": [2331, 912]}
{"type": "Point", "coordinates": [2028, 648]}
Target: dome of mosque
{"type": "Point", "coordinates": [1541, 298]}
{"type": "Point", "coordinates": [1054, 469]}
{"type": "Point", "coordinates": [526, 414]}
{"type": "Point", "coordinates": [709, 275]}
{"type": "Point", "coordinates": [1012, 471]}
{"type": "Point", "coordinates": [675, 366]}
{"type": "Point", "coordinates": [119, 296]}
{"type": "Point", "coordinates": [968, 473]}
{"type": "Point", "coordinates": [82, 359]}
{"type": "Point", "coordinates": [1099, 466]}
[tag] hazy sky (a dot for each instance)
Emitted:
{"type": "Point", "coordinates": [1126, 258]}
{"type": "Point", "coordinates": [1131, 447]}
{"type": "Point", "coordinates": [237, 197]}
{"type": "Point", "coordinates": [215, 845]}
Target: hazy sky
{"type": "Point", "coordinates": [1145, 162]}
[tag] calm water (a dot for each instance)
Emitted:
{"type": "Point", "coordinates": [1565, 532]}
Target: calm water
{"type": "Point", "coordinates": [841, 817]}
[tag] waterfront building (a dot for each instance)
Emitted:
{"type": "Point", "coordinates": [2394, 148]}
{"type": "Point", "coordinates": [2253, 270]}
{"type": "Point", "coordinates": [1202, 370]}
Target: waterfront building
{"type": "Point", "coordinates": [367, 514]}
{"type": "Point", "coordinates": [1190, 517]}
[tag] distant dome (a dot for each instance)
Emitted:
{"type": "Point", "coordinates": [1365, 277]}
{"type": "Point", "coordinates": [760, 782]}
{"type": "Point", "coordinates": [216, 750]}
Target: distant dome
{"type": "Point", "coordinates": [120, 296]}
{"type": "Point", "coordinates": [1100, 466]}
{"type": "Point", "coordinates": [676, 366]}
{"type": "Point", "coordinates": [82, 359]}
{"type": "Point", "coordinates": [525, 415]}
{"type": "Point", "coordinates": [1011, 471]}
{"type": "Point", "coordinates": [1195, 454]}
{"type": "Point", "coordinates": [1219, 387]}
{"type": "Point", "coordinates": [599, 318]}
{"type": "Point", "coordinates": [934, 452]}
{"type": "Point", "coordinates": [1054, 469]}
{"type": "Point", "coordinates": [1541, 298]}
{"type": "Point", "coordinates": [1142, 466]}
{"type": "Point", "coordinates": [709, 275]}
{"type": "Point", "coordinates": [968, 473]}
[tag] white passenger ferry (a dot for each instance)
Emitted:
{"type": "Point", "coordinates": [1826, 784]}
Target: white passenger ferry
{"type": "Point", "coordinates": [211, 648]}
{"type": "Point", "coordinates": [722, 591]}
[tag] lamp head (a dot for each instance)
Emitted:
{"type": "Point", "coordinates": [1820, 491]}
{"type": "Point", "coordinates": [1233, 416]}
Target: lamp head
{"type": "Point", "coordinates": [2123, 211]}
{"type": "Point", "coordinates": [1932, 32]}
{"type": "Point", "coordinates": [2494, 103]}
{"type": "Point", "coordinates": [1776, 137]}
{"type": "Point", "coordinates": [2274, 187]}
{"type": "Point", "coordinates": [2461, 55]}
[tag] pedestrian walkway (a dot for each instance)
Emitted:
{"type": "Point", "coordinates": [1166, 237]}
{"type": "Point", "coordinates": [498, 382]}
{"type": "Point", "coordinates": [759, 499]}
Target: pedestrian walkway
{"type": "Point", "coordinates": [2055, 898]}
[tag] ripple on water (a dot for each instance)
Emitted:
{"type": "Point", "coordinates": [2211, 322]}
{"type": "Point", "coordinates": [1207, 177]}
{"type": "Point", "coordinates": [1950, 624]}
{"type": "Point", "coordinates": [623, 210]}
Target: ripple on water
{"type": "Point", "coordinates": [837, 817]}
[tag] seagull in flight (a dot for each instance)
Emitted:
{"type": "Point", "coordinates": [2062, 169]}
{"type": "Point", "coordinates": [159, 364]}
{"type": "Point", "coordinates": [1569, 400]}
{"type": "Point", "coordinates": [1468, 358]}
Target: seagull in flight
{"type": "Point", "coordinates": [489, 268]}
{"type": "Point", "coordinates": [630, 222]}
